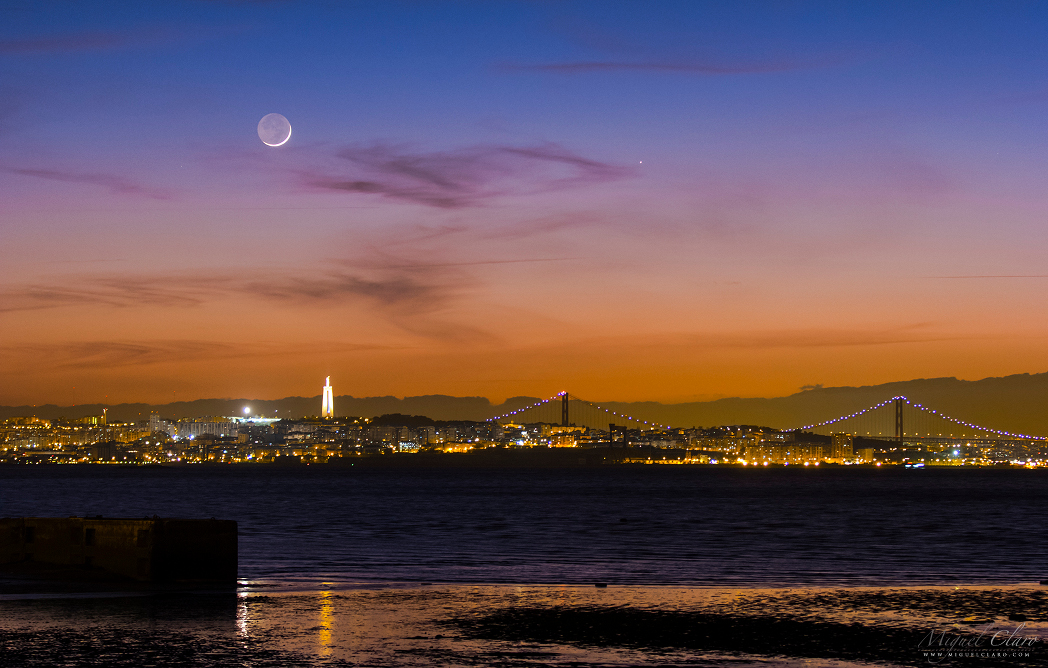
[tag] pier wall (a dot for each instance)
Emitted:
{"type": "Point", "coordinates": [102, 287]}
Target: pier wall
{"type": "Point", "coordinates": [147, 550]}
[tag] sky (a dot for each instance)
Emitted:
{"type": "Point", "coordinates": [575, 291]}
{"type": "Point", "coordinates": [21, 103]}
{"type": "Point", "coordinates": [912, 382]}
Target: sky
{"type": "Point", "coordinates": [666, 201]}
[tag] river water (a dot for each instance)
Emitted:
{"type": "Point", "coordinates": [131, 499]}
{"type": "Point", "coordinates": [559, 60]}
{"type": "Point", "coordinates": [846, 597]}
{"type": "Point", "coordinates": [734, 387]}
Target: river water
{"type": "Point", "coordinates": [343, 566]}
{"type": "Point", "coordinates": [645, 525]}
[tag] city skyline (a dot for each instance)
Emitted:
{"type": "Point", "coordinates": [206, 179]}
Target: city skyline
{"type": "Point", "coordinates": [500, 199]}
{"type": "Point", "coordinates": [897, 431]}
{"type": "Point", "coordinates": [1011, 405]}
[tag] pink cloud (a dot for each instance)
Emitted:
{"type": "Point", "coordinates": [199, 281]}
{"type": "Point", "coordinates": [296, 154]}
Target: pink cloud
{"type": "Point", "coordinates": [462, 177]}
{"type": "Point", "coordinates": [114, 183]}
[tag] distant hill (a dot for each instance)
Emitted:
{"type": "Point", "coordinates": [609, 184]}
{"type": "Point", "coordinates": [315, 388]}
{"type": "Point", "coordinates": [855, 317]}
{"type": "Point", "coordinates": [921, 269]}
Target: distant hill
{"type": "Point", "coordinates": [436, 406]}
{"type": "Point", "coordinates": [1015, 403]}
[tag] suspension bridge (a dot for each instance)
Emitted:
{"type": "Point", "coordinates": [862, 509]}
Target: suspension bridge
{"type": "Point", "coordinates": [901, 419]}
{"type": "Point", "coordinates": [895, 419]}
{"type": "Point", "coordinates": [567, 410]}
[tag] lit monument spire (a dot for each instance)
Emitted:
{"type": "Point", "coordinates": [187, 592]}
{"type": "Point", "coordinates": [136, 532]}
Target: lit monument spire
{"type": "Point", "coordinates": [328, 409]}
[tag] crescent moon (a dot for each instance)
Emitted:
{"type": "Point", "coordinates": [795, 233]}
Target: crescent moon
{"type": "Point", "coordinates": [274, 130]}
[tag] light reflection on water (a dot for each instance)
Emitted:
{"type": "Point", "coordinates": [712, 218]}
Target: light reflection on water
{"type": "Point", "coordinates": [407, 626]}
{"type": "Point", "coordinates": [326, 615]}
{"type": "Point", "coordinates": [341, 625]}
{"type": "Point", "coordinates": [242, 617]}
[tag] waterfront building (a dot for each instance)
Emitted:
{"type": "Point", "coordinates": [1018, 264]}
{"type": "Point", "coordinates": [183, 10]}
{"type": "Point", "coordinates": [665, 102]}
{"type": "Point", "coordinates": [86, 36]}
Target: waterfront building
{"type": "Point", "coordinates": [842, 447]}
{"type": "Point", "coordinates": [211, 426]}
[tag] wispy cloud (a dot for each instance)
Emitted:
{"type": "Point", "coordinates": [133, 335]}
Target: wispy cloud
{"type": "Point", "coordinates": [77, 42]}
{"type": "Point", "coordinates": [114, 183]}
{"type": "Point", "coordinates": [10, 104]}
{"type": "Point", "coordinates": [823, 338]}
{"type": "Point", "coordinates": [111, 290]}
{"type": "Point", "coordinates": [88, 354]}
{"type": "Point", "coordinates": [399, 289]}
{"type": "Point", "coordinates": [405, 286]}
{"type": "Point", "coordinates": [551, 225]}
{"type": "Point", "coordinates": [90, 41]}
{"type": "Point", "coordinates": [460, 178]}
{"type": "Point", "coordinates": [416, 298]}
{"type": "Point", "coordinates": [411, 297]}
{"type": "Point", "coordinates": [487, 262]}
{"type": "Point", "coordinates": [789, 339]}
{"type": "Point", "coordinates": [672, 66]}
{"type": "Point", "coordinates": [114, 354]}
{"type": "Point", "coordinates": [915, 177]}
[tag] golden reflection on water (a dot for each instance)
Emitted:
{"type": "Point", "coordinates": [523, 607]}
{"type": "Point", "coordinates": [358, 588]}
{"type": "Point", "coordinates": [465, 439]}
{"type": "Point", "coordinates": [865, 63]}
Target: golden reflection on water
{"type": "Point", "coordinates": [411, 627]}
{"type": "Point", "coordinates": [242, 615]}
{"type": "Point", "coordinates": [326, 615]}
{"type": "Point", "coordinates": [408, 626]}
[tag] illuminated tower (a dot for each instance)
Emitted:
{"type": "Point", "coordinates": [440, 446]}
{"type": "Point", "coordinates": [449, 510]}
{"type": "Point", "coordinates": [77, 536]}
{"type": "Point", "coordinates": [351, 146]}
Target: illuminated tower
{"type": "Point", "coordinates": [328, 408]}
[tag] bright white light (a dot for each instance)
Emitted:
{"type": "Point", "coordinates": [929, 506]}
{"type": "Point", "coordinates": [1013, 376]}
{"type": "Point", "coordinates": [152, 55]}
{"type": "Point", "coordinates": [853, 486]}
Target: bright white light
{"type": "Point", "coordinates": [247, 410]}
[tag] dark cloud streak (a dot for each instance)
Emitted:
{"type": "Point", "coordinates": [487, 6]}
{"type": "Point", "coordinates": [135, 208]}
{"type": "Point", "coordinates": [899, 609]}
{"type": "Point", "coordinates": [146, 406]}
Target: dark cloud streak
{"type": "Point", "coordinates": [916, 333]}
{"type": "Point", "coordinates": [180, 291]}
{"type": "Point", "coordinates": [117, 292]}
{"type": "Point", "coordinates": [108, 354]}
{"type": "Point", "coordinates": [411, 298]}
{"type": "Point", "coordinates": [461, 178]}
{"type": "Point", "coordinates": [104, 355]}
{"type": "Point", "coordinates": [485, 262]}
{"type": "Point", "coordinates": [114, 183]}
{"type": "Point", "coordinates": [671, 66]}
{"type": "Point", "coordinates": [78, 42]}
{"type": "Point", "coordinates": [390, 292]}
{"type": "Point", "coordinates": [93, 41]}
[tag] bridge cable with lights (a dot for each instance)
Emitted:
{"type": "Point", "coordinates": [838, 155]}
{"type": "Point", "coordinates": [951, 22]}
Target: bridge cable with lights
{"type": "Point", "coordinates": [910, 420]}
{"type": "Point", "coordinates": [568, 410]}
{"type": "Point", "coordinates": [892, 419]}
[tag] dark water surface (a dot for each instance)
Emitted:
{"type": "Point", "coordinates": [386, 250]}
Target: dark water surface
{"type": "Point", "coordinates": [647, 525]}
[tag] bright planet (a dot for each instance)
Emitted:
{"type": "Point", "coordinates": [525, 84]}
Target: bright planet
{"type": "Point", "coordinates": [274, 130]}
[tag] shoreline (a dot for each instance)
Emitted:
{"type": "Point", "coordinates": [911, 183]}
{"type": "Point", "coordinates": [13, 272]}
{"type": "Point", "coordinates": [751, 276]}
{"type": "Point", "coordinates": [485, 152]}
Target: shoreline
{"type": "Point", "coordinates": [537, 625]}
{"type": "Point", "coordinates": [453, 461]}
{"type": "Point", "coordinates": [53, 588]}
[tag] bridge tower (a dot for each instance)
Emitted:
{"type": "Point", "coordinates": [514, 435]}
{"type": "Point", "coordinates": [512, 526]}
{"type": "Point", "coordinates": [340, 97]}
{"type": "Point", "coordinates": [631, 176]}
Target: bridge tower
{"type": "Point", "coordinates": [564, 421]}
{"type": "Point", "coordinates": [898, 420]}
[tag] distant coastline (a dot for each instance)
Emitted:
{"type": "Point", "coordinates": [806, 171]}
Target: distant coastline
{"type": "Point", "coordinates": [1015, 403]}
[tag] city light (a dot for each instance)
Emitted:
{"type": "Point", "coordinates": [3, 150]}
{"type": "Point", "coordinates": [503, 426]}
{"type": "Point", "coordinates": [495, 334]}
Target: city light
{"type": "Point", "coordinates": [544, 425]}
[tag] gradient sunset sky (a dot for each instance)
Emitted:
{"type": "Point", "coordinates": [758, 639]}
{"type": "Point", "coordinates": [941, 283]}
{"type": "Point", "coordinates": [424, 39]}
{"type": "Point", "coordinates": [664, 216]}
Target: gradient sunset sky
{"type": "Point", "coordinates": [664, 201]}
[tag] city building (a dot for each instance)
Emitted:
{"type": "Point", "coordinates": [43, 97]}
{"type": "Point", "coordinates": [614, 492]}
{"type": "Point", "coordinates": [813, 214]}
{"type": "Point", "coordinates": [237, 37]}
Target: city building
{"type": "Point", "coordinates": [842, 447]}
{"type": "Point", "coordinates": [789, 453]}
{"type": "Point", "coordinates": [212, 426]}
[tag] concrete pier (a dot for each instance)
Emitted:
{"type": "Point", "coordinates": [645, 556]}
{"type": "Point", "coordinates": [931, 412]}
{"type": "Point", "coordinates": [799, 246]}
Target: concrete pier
{"type": "Point", "coordinates": [146, 550]}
